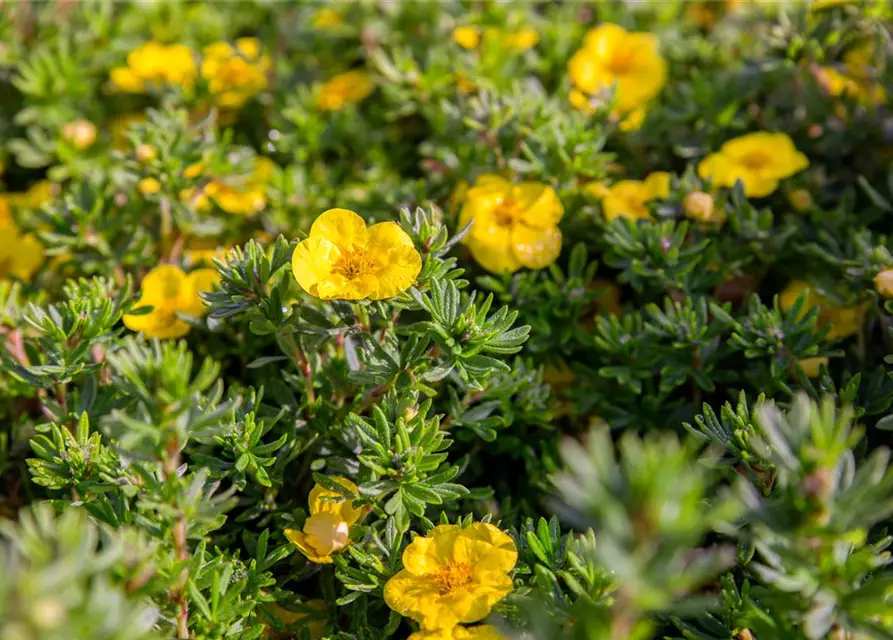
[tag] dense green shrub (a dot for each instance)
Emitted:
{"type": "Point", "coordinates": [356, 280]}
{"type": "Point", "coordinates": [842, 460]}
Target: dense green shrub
{"type": "Point", "coordinates": [613, 362]}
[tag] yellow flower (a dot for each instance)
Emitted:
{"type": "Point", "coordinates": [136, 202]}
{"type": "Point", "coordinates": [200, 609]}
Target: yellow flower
{"type": "Point", "coordinates": [514, 225]}
{"type": "Point", "coordinates": [344, 89]}
{"type": "Point", "coordinates": [705, 14]}
{"type": "Point", "coordinates": [453, 575]}
{"type": "Point", "coordinates": [467, 37]}
{"type": "Point", "coordinates": [20, 253]}
{"type": "Point", "coordinates": [327, 18]}
{"type": "Point", "coordinates": [235, 73]}
{"type": "Point", "coordinates": [611, 56]}
{"type": "Point", "coordinates": [154, 64]}
{"type": "Point", "coordinates": [758, 159]}
{"type": "Point", "coordinates": [80, 133]}
{"type": "Point", "coordinates": [842, 321]}
{"type": "Point", "coordinates": [240, 195]}
{"type": "Point", "coordinates": [699, 206]}
{"type": "Point", "coordinates": [343, 259]}
{"type": "Point", "coordinates": [171, 291]}
{"type": "Point", "coordinates": [628, 198]}
{"type": "Point", "coordinates": [836, 83]}
{"type": "Point", "coordinates": [316, 625]}
{"type": "Point", "coordinates": [479, 632]}
{"type": "Point", "coordinates": [327, 529]}
{"type": "Point", "coordinates": [148, 186]}
{"type": "Point", "coordinates": [883, 283]}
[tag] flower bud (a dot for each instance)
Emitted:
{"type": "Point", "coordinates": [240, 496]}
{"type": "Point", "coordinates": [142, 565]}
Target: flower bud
{"type": "Point", "coordinates": [698, 205]}
{"type": "Point", "coordinates": [146, 153]}
{"type": "Point", "coordinates": [800, 200]}
{"type": "Point", "coordinates": [883, 283]}
{"type": "Point", "coordinates": [148, 186]}
{"type": "Point", "coordinates": [80, 133]}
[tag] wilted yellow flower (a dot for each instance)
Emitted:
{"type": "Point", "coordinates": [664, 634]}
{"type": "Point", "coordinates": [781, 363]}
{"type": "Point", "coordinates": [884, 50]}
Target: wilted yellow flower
{"type": "Point", "coordinates": [612, 56]}
{"type": "Point", "coordinates": [758, 159]}
{"type": "Point", "coordinates": [327, 18]}
{"type": "Point", "coordinates": [80, 133]}
{"type": "Point", "coordinates": [514, 225]}
{"type": "Point", "coordinates": [154, 64]}
{"type": "Point", "coordinates": [148, 186]}
{"type": "Point", "coordinates": [628, 198]}
{"type": "Point", "coordinates": [842, 321]}
{"type": "Point", "coordinates": [343, 259]}
{"type": "Point", "coordinates": [327, 529]}
{"type": "Point", "coordinates": [171, 291]}
{"type": "Point", "coordinates": [883, 283]}
{"type": "Point", "coordinates": [479, 632]}
{"type": "Point", "coordinates": [235, 73]}
{"type": "Point", "coordinates": [467, 37]}
{"type": "Point", "coordinates": [344, 89]}
{"type": "Point", "coordinates": [316, 626]}
{"type": "Point", "coordinates": [20, 253]}
{"type": "Point", "coordinates": [453, 575]}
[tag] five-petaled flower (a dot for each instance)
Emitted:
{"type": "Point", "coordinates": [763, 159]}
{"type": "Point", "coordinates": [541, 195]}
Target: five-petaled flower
{"type": "Point", "coordinates": [613, 57]}
{"type": "Point", "coordinates": [235, 73]}
{"type": "Point", "coordinates": [327, 528]}
{"type": "Point", "coordinates": [170, 291]}
{"type": "Point", "coordinates": [629, 198]}
{"type": "Point", "coordinates": [759, 160]}
{"type": "Point", "coordinates": [343, 259]}
{"type": "Point", "coordinates": [344, 89]}
{"type": "Point", "coordinates": [513, 225]}
{"type": "Point", "coordinates": [453, 575]}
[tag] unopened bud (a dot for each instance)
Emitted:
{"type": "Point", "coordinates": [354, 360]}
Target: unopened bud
{"type": "Point", "coordinates": [883, 283]}
{"type": "Point", "coordinates": [800, 199]}
{"type": "Point", "coordinates": [146, 153]}
{"type": "Point", "coordinates": [698, 205]}
{"type": "Point", "coordinates": [80, 133]}
{"type": "Point", "coordinates": [148, 186]}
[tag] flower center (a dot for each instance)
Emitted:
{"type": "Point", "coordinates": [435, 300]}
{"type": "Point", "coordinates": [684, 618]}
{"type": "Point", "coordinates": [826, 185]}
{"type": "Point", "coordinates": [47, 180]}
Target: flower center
{"type": "Point", "coordinates": [353, 264]}
{"type": "Point", "coordinates": [621, 62]}
{"type": "Point", "coordinates": [452, 576]}
{"type": "Point", "coordinates": [755, 159]}
{"type": "Point", "coordinates": [506, 213]}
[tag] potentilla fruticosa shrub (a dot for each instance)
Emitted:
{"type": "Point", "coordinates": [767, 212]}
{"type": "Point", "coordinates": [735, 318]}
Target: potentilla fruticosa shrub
{"type": "Point", "coordinates": [446, 320]}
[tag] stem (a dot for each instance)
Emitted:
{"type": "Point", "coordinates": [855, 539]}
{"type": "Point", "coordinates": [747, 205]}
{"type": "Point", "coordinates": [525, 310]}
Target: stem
{"type": "Point", "coordinates": [170, 463]}
{"type": "Point", "coordinates": [303, 365]}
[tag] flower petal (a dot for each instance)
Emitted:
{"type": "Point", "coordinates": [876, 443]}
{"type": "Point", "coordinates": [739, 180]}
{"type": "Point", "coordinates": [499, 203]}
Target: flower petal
{"type": "Point", "coordinates": [313, 261]}
{"type": "Point", "coordinates": [198, 281]}
{"type": "Point", "coordinates": [342, 227]}
{"type": "Point", "coordinates": [412, 596]}
{"type": "Point", "coordinates": [536, 248]}
{"type": "Point", "coordinates": [540, 204]}
{"type": "Point", "coordinates": [299, 539]}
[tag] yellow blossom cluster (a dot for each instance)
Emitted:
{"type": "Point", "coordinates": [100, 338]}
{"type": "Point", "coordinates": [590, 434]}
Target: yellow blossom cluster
{"type": "Point", "coordinates": [351, 87]}
{"type": "Point", "coordinates": [472, 37]}
{"type": "Point", "coordinates": [153, 65]}
{"type": "Point", "coordinates": [629, 198]}
{"type": "Point", "coordinates": [854, 77]}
